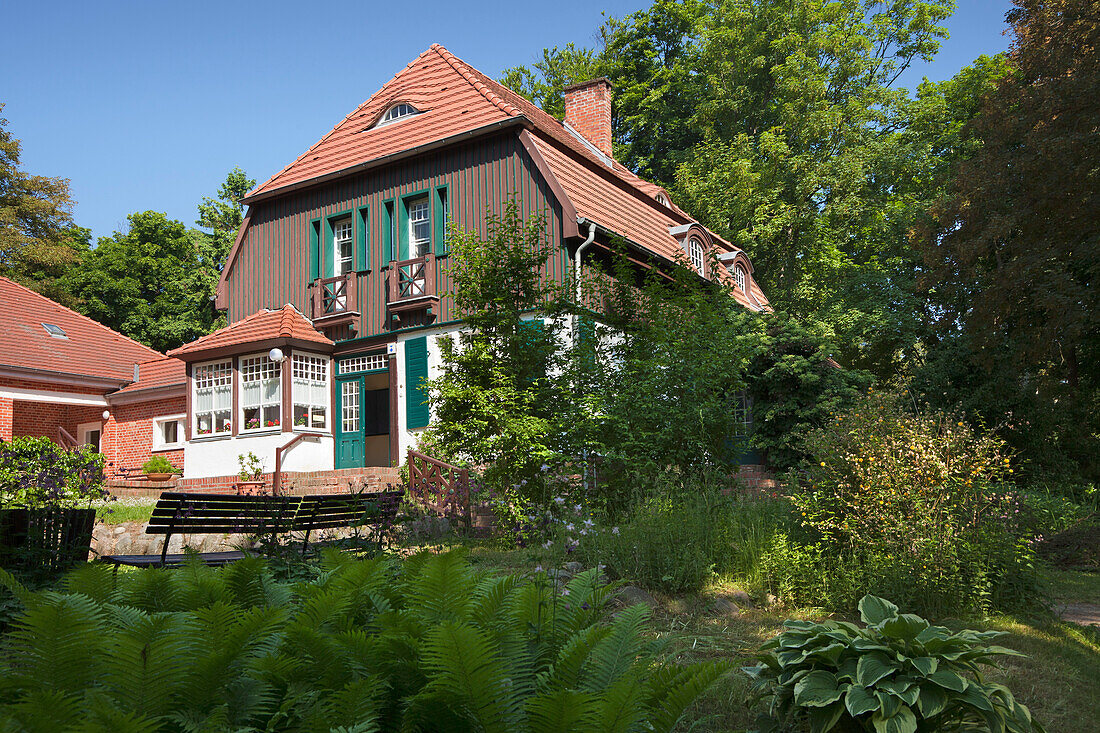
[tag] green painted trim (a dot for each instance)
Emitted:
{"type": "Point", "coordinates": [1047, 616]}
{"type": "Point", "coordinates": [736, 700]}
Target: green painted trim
{"type": "Point", "coordinates": [362, 242]}
{"type": "Point", "coordinates": [416, 371]}
{"type": "Point", "coordinates": [387, 231]}
{"type": "Point", "coordinates": [410, 329]}
{"type": "Point", "coordinates": [441, 205]}
{"type": "Point", "coordinates": [403, 220]}
{"type": "Point", "coordinates": [314, 249]}
{"type": "Point", "coordinates": [329, 258]}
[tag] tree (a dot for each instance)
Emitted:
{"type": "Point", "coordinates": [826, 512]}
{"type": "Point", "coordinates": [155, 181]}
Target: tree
{"type": "Point", "coordinates": [222, 216]}
{"type": "Point", "coordinates": [146, 283]}
{"type": "Point", "coordinates": [1017, 251]}
{"type": "Point", "coordinates": [36, 237]}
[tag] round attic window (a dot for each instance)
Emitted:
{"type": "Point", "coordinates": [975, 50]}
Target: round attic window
{"type": "Point", "coordinates": [397, 112]}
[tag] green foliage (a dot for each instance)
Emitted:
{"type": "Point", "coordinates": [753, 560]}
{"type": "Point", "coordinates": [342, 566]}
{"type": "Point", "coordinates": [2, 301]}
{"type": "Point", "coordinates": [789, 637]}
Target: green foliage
{"type": "Point", "coordinates": [35, 219]}
{"type": "Point", "coordinates": [38, 473]}
{"type": "Point", "coordinates": [494, 400]}
{"type": "Point", "coordinates": [365, 645]}
{"type": "Point", "coordinates": [913, 504]}
{"type": "Point", "coordinates": [158, 464]}
{"type": "Point", "coordinates": [251, 467]}
{"type": "Point", "coordinates": [898, 674]}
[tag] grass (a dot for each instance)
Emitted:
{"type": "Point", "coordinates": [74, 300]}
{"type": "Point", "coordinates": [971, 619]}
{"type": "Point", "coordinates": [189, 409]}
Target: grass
{"type": "Point", "coordinates": [120, 511]}
{"type": "Point", "coordinates": [1059, 680]}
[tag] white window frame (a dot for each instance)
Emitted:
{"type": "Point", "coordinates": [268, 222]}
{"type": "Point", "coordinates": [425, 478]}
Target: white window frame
{"type": "Point", "coordinates": [261, 428]}
{"type": "Point", "coordinates": [697, 254]}
{"type": "Point", "coordinates": [194, 417]}
{"type": "Point", "coordinates": [84, 428]}
{"type": "Point", "coordinates": [326, 404]}
{"type": "Point", "coordinates": [399, 111]}
{"type": "Point", "coordinates": [159, 443]}
{"type": "Point", "coordinates": [740, 278]}
{"type": "Point", "coordinates": [414, 242]}
{"type": "Point", "coordinates": [342, 265]}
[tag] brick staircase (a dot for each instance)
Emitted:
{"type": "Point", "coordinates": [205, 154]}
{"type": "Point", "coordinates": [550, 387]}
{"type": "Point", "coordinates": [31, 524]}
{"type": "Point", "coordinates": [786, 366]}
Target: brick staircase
{"type": "Point", "coordinates": [343, 480]}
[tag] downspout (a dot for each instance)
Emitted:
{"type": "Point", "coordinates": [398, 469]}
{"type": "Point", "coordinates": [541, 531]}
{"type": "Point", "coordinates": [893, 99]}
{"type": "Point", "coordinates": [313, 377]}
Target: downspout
{"type": "Point", "coordinates": [581, 248]}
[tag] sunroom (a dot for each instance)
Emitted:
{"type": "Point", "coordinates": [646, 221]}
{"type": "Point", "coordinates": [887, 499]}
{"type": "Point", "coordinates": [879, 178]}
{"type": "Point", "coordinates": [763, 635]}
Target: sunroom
{"type": "Point", "coordinates": [262, 385]}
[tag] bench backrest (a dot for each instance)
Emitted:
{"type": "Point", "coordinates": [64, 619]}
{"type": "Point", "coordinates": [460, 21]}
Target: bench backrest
{"type": "Point", "coordinates": [325, 511]}
{"type": "Point", "coordinates": [186, 513]}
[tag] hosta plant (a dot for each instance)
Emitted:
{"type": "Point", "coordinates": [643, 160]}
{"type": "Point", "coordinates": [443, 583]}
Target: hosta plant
{"type": "Point", "coordinates": [898, 674]}
{"type": "Point", "coordinates": [425, 644]}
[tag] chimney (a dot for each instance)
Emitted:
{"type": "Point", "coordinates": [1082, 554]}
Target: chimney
{"type": "Point", "coordinates": [588, 111]}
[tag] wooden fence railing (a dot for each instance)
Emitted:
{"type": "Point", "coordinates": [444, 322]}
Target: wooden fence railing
{"type": "Point", "coordinates": [440, 486]}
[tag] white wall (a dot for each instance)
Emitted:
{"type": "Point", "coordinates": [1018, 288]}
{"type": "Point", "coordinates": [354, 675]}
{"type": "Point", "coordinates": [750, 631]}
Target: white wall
{"type": "Point", "coordinates": [407, 438]}
{"type": "Point", "coordinates": [218, 457]}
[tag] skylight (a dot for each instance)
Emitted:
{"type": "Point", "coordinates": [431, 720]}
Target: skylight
{"type": "Point", "coordinates": [56, 331]}
{"type": "Point", "coordinates": [396, 112]}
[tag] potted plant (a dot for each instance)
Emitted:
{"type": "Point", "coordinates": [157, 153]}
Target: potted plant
{"type": "Point", "coordinates": [251, 476]}
{"type": "Point", "coordinates": [158, 468]}
{"type": "Point", "coordinates": [46, 491]}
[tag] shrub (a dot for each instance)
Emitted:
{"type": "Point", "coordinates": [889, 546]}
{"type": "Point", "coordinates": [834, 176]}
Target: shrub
{"type": "Point", "coordinates": [158, 464]}
{"type": "Point", "coordinates": [370, 645]}
{"type": "Point", "coordinates": [37, 473]}
{"type": "Point", "coordinates": [916, 503]}
{"type": "Point", "coordinates": [899, 674]}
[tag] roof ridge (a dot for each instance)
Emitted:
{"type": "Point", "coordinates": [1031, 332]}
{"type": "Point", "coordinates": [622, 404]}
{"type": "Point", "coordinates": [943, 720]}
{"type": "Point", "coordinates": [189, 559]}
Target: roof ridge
{"type": "Point", "coordinates": [337, 126]}
{"type": "Point", "coordinates": [467, 72]}
{"type": "Point", "coordinates": [81, 315]}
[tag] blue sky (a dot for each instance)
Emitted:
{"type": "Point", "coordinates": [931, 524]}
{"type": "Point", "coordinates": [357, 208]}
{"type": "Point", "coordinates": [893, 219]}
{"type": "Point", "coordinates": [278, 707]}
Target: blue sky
{"type": "Point", "coordinates": [148, 104]}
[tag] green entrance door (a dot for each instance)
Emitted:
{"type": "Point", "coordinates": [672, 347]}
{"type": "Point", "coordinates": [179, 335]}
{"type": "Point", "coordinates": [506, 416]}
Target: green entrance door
{"type": "Point", "coordinates": [350, 436]}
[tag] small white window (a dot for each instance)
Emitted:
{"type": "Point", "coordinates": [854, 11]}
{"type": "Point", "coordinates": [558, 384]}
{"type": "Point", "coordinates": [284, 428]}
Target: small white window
{"type": "Point", "coordinates": [343, 247]}
{"type": "Point", "coordinates": [739, 277]}
{"type": "Point", "coordinates": [309, 382]}
{"type": "Point", "coordinates": [661, 199]}
{"type": "Point", "coordinates": [212, 398]}
{"type": "Point", "coordinates": [696, 254]}
{"type": "Point", "coordinates": [90, 433]}
{"type": "Point", "coordinates": [261, 393]}
{"type": "Point", "coordinates": [396, 112]}
{"type": "Point", "coordinates": [168, 432]}
{"type": "Point", "coordinates": [54, 330]}
{"type": "Point", "coordinates": [420, 227]}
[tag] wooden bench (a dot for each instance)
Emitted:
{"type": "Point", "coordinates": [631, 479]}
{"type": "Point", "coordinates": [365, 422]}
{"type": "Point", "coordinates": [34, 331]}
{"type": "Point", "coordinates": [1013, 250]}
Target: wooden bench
{"type": "Point", "coordinates": [187, 513]}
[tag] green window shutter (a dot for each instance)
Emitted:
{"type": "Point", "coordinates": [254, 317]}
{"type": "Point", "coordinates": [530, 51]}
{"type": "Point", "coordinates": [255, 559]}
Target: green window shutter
{"type": "Point", "coordinates": [442, 211]}
{"type": "Point", "coordinates": [362, 245]}
{"type": "Point", "coordinates": [387, 232]}
{"type": "Point", "coordinates": [314, 249]}
{"type": "Point", "coordinates": [416, 371]}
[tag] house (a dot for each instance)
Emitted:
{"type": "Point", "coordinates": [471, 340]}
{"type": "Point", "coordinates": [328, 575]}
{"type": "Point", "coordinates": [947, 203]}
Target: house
{"type": "Point", "coordinates": [335, 286]}
{"type": "Point", "coordinates": [75, 381]}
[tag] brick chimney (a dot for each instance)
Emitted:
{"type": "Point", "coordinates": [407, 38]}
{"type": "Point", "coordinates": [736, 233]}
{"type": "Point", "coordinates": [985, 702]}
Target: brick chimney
{"type": "Point", "coordinates": [588, 111]}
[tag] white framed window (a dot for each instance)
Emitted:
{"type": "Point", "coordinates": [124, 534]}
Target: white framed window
{"type": "Point", "coordinates": [349, 406]}
{"type": "Point", "coordinates": [742, 414]}
{"type": "Point", "coordinates": [739, 277]}
{"type": "Point", "coordinates": [212, 398]}
{"type": "Point", "coordinates": [420, 227]}
{"type": "Point", "coordinates": [343, 247]}
{"type": "Point", "coordinates": [168, 432]}
{"type": "Point", "coordinates": [696, 254]}
{"type": "Point", "coordinates": [396, 112]}
{"type": "Point", "coordinates": [261, 393]}
{"type": "Point", "coordinates": [90, 433]}
{"type": "Point", "coordinates": [368, 363]}
{"type": "Point", "coordinates": [310, 391]}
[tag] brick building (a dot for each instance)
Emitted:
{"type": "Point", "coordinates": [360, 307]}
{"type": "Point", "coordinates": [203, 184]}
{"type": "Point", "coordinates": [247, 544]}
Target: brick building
{"type": "Point", "coordinates": [73, 380]}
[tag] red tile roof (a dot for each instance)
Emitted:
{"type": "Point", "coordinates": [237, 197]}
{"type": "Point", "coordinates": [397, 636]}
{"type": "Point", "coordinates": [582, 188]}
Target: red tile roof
{"type": "Point", "coordinates": [286, 323]}
{"type": "Point", "coordinates": [455, 98]}
{"type": "Point", "coordinates": [89, 349]}
{"type": "Point", "coordinates": [163, 372]}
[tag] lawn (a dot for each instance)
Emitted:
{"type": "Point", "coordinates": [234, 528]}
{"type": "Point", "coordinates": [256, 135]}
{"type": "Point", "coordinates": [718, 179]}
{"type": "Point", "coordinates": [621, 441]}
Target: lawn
{"type": "Point", "coordinates": [128, 509]}
{"type": "Point", "coordinates": [1059, 681]}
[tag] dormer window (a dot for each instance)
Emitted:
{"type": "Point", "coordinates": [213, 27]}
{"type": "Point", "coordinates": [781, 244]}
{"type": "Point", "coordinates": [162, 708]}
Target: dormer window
{"type": "Point", "coordinates": [696, 254]}
{"type": "Point", "coordinates": [739, 277]}
{"type": "Point", "coordinates": [661, 199]}
{"type": "Point", "coordinates": [396, 112]}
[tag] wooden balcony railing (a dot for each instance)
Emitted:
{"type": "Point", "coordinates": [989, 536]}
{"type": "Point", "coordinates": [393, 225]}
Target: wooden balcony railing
{"type": "Point", "coordinates": [410, 279]}
{"type": "Point", "coordinates": [441, 487]}
{"type": "Point", "coordinates": [333, 299]}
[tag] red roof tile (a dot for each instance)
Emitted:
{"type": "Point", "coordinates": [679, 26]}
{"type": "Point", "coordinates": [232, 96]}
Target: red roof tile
{"type": "Point", "coordinates": [163, 372]}
{"type": "Point", "coordinates": [88, 349]}
{"type": "Point", "coordinates": [266, 325]}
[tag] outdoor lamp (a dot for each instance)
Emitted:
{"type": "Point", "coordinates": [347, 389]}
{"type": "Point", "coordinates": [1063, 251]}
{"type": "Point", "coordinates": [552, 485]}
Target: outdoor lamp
{"type": "Point", "coordinates": [106, 414]}
{"type": "Point", "coordinates": [276, 355]}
